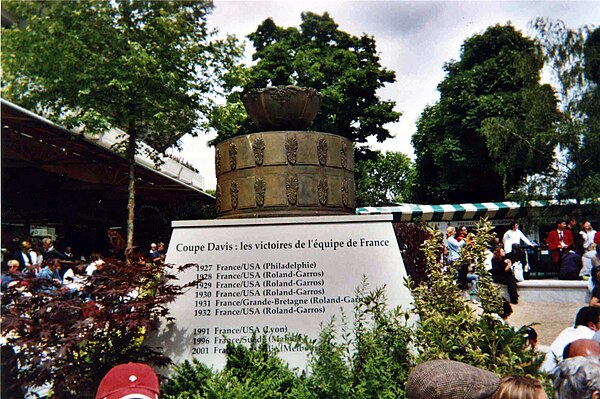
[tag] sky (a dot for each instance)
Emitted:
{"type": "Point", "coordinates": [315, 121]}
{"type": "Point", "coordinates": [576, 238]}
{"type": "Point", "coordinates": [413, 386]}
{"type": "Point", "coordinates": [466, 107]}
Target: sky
{"type": "Point", "coordinates": [414, 39]}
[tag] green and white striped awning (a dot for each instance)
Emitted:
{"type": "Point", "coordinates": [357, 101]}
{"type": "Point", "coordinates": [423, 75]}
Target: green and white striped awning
{"type": "Point", "coordinates": [472, 211]}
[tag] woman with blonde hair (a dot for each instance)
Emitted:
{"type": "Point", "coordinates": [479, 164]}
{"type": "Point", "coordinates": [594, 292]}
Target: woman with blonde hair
{"type": "Point", "coordinates": [519, 387]}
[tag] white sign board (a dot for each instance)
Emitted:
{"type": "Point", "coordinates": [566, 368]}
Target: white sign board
{"type": "Point", "coordinates": [276, 277]}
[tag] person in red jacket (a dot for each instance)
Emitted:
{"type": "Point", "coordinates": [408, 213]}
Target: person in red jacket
{"type": "Point", "coordinates": [558, 241]}
{"type": "Point", "coordinates": [597, 239]}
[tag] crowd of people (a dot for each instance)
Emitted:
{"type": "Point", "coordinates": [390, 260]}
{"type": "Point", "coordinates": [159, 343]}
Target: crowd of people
{"type": "Point", "coordinates": [575, 253]}
{"type": "Point", "coordinates": [575, 377]}
{"type": "Point", "coordinates": [505, 260]}
{"type": "Point", "coordinates": [64, 268]}
{"type": "Point", "coordinates": [572, 361]}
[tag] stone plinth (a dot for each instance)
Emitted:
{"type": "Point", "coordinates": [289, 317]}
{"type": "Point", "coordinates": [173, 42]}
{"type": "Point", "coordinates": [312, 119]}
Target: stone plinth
{"type": "Point", "coordinates": [285, 173]}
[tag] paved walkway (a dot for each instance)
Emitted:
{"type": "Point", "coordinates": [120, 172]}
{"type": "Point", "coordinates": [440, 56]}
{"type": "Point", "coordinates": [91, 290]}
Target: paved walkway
{"type": "Point", "coordinates": [551, 317]}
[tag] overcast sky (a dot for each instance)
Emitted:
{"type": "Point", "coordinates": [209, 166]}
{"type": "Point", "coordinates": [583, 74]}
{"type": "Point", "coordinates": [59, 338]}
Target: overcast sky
{"type": "Point", "coordinates": [414, 39]}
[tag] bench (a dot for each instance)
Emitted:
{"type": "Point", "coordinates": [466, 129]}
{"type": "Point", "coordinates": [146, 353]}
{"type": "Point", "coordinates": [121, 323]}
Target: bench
{"type": "Point", "coordinates": [552, 291]}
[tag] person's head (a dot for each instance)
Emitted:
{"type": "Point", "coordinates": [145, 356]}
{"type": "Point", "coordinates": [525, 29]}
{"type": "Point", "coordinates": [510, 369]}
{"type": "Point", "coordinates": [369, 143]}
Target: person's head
{"type": "Point", "coordinates": [577, 378]}
{"type": "Point", "coordinates": [131, 380]}
{"type": "Point", "coordinates": [515, 248]}
{"type": "Point", "coordinates": [498, 252]}
{"type": "Point", "coordinates": [54, 265]}
{"type": "Point", "coordinates": [47, 242]}
{"type": "Point", "coordinates": [135, 255]}
{"type": "Point", "coordinates": [572, 223]}
{"type": "Point", "coordinates": [561, 224]}
{"type": "Point", "coordinates": [507, 309]}
{"type": "Point", "coordinates": [514, 225]}
{"type": "Point", "coordinates": [587, 226]}
{"type": "Point", "coordinates": [26, 246]}
{"type": "Point", "coordinates": [463, 230]}
{"type": "Point", "coordinates": [532, 337]}
{"type": "Point", "coordinates": [94, 256]}
{"type": "Point", "coordinates": [582, 347]}
{"type": "Point", "coordinates": [161, 247]}
{"type": "Point", "coordinates": [153, 246]}
{"type": "Point", "coordinates": [68, 250]}
{"type": "Point", "coordinates": [519, 387]}
{"type": "Point", "coordinates": [13, 266]}
{"type": "Point", "coordinates": [450, 231]}
{"type": "Point", "coordinates": [588, 316]}
{"type": "Point", "coordinates": [442, 379]}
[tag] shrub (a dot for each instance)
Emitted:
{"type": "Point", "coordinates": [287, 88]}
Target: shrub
{"type": "Point", "coordinates": [449, 326]}
{"type": "Point", "coordinates": [369, 360]}
{"type": "Point", "coordinates": [71, 340]}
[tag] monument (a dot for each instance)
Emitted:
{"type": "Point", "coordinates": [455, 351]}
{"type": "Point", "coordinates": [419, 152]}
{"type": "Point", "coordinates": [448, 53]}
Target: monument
{"type": "Point", "coordinates": [286, 252]}
{"type": "Point", "coordinates": [282, 172]}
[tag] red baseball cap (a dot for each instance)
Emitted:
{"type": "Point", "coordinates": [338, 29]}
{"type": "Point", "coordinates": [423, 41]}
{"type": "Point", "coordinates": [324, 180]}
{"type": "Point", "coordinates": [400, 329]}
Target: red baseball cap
{"type": "Point", "coordinates": [131, 380]}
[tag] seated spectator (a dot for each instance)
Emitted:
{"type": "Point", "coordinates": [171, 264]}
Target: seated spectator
{"type": "Point", "coordinates": [162, 250]}
{"type": "Point", "coordinates": [154, 254]}
{"type": "Point", "coordinates": [507, 310]}
{"type": "Point", "coordinates": [75, 279]}
{"type": "Point", "coordinates": [587, 261]}
{"type": "Point", "coordinates": [570, 265]}
{"type": "Point", "coordinates": [26, 255]}
{"type": "Point", "coordinates": [502, 273]}
{"type": "Point", "coordinates": [51, 253]}
{"type": "Point", "coordinates": [51, 271]}
{"type": "Point", "coordinates": [519, 387]}
{"type": "Point", "coordinates": [577, 378]}
{"type": "Point", "coordinates": [135, 256]}
{"type": "Point", "coordinates": [131, 380]}
{"type": "Point", "coordinates": [532, 337]}
{"type": "Point", "coordinates": [517, 255]}
{"type": "Point", "coordinates": [582, 347]}
{"type": "Point", "coordinates": [595, 301]}
{"type": "Point", "coordinates": [587, 234]}
{"type": "Point", "coordinates": [69, 253]}
{"type": "Point", "coordinates": [96, 261]}
{"type": "Point", "coordinates": [12, 275]}
{"type": "Point", "coordinates": [442, 379]}
{"type": "Point", "coordinates": [587, 322]}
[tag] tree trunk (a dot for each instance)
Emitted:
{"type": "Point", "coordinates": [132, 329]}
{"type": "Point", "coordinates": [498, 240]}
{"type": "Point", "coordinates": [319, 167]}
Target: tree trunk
{"type": "Point", "coordinates": [131, 186]}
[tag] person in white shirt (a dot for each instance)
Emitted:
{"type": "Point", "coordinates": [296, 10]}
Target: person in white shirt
{"type": "Point", "coordinates": [587, 233]}
{"type": "Point", "coordinates": [587, 322]}
{"type": "Point", "coordinates": [514, 236]}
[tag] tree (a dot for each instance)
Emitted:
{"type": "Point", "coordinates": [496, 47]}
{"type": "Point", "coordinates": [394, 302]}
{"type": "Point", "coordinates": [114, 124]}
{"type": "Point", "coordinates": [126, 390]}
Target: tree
{"type": "Point", "coordinates": [450, 329]}
{"type": "Point", "coordinates": [344, 68]}
{"type": "Point", "coordinates": [71, 338]}
{"type": "Point", "coordinates": [492, 126]}
{"type": "Point", "coordinates": [384, 179]}
{"type": "Point", "coordinates": [146, 67]}
{"type": "Point", "coordinates": [573, 57]}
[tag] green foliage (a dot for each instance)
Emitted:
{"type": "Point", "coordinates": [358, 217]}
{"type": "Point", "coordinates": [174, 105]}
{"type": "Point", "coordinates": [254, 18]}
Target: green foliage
{"type": "Point", "coordinates": [493, 125]}
{"type": "Point", "coordinates": [71, 339]}
{"type": "Point", "coordinates": [370, 361]}
{"type": "Point", "coordinates": [572, 56]}
{"type": "Point", "coordinates": [149, 68]}
{"type": "Point", "coordinates": [145, 67]}
{"type": "Point", "coordinates": [344, 68]}
{"type": "Point", "coordinates": [384, 179]}
{"type": "Point", "coordinates": [450, 329]}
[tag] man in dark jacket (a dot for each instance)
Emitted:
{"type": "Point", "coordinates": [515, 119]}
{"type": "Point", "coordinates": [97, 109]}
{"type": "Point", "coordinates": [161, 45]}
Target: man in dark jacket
{"type": "Point", "coordinates": [570, 265]}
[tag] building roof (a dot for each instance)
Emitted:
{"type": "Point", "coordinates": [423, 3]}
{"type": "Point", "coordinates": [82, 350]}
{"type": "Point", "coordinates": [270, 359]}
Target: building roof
{"type": "Point", "coordinates": [29, 140]}
{"type": "Point", "coordinates": [472, 211]}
